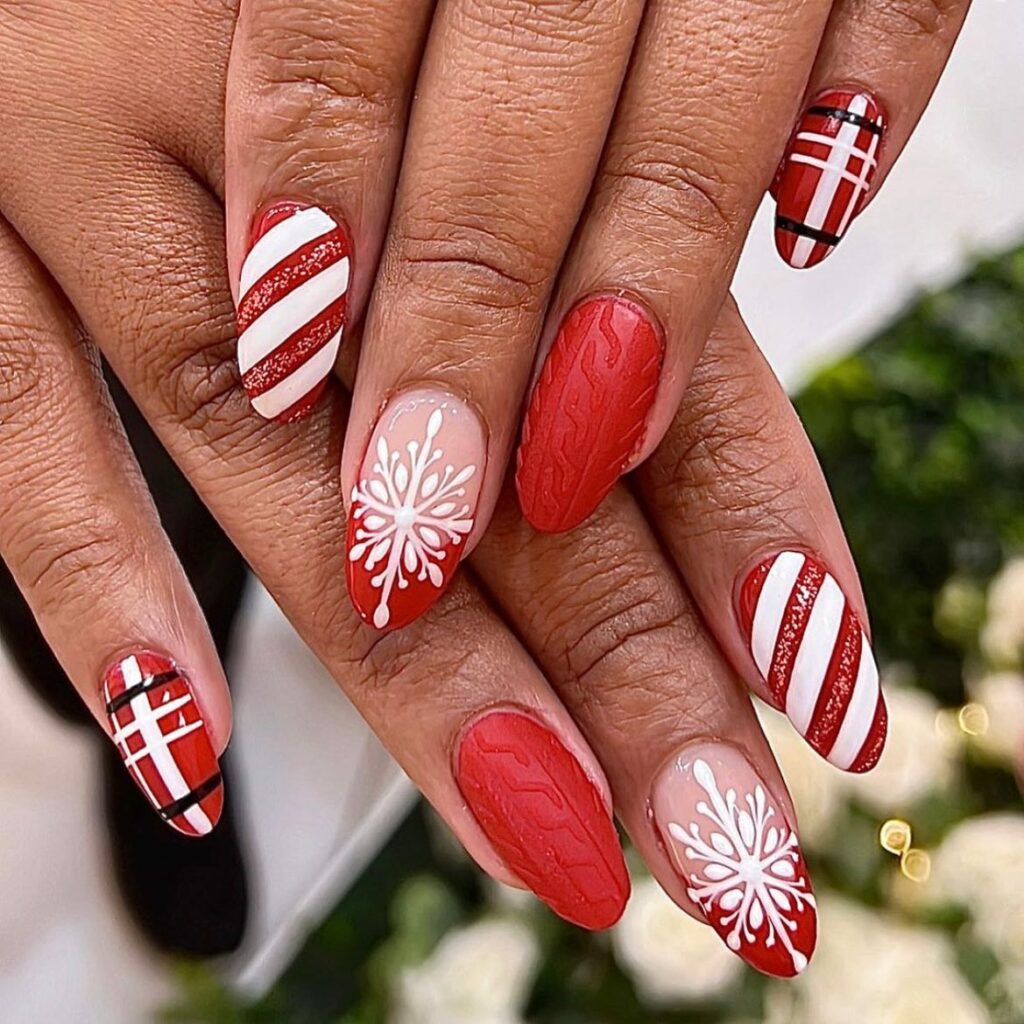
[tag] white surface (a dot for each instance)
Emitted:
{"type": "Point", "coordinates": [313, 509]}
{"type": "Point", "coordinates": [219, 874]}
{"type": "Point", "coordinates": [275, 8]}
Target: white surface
{"type": "Point", "coordinates": [317, 794]}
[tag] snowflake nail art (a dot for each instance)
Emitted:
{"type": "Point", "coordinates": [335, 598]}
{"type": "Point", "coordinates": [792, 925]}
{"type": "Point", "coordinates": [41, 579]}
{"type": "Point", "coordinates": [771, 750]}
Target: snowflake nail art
{"type": "Point", "coordinates": [742, 863]}
{"type": "Point", "coordinates": [412, 508]}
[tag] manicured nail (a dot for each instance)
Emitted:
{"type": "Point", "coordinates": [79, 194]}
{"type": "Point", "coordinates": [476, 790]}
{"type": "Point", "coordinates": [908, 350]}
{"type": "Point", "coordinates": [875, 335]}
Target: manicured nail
{"type": "Point", "coordinates": [291, 312]}
{"type": "Point", "coordinates": [588, 412]}
{"type": "Point", "coordinates": [159, 733]}
{"type": "Point", "coordinates": [826, 174]}
{"type": "Point", "coordinates": [413, 506]}
{"type": "Point", "coordinates": [544, 816]}
{"type": "Point", "coordinates": [814, 655]}
{"type": "Point", "coordinates": [739, 856]}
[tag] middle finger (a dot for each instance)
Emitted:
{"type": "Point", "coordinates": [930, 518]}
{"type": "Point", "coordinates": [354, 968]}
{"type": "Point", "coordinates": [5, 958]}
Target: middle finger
{"type": "Point", "coordinates": [513, 105]}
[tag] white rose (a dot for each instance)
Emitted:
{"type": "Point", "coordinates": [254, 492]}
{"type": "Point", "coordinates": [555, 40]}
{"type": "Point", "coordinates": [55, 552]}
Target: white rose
{"type": "Point", "coordinates": [869, 967]}
{"type": "Point", "coordinates": [816, 787]}
{"type": "Point", "coordinates": [1002, 637]}
{"type": "Point", "coordinates": [978, 865]}
{"type": "Point", "coordinates": [1001, 694]}
{"type": "Point", "coordinates": [671, 958]}
{"type": "Point", "coordinates": [918, 757]}
{"type": "Point", "coordinates": [481, 974]}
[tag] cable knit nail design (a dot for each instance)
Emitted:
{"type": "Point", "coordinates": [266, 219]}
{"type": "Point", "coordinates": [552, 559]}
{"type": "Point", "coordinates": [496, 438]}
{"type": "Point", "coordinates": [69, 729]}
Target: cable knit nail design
{"type": "Point", "coordinates": [826, 174]}
{"type": "Point", "coordinates": [158, 731]}
{"type": "Point", "coordinates": [413, 506]}
{"type": "Point", "coordinates": [740, 857]}
{"type": "Point", "coordinates": [544, 816]}
{"type": "Point", "coordinates": [809, 646]}
{"type": "Point", "coordinates": [292, 310]}
{"type": "Point", "coordinates": [588, 412]}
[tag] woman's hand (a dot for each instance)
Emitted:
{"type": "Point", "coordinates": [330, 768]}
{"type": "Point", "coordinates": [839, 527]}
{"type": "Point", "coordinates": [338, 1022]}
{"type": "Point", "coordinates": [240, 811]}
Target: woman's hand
{"type": "Point", "coordinates": [494, 175]}
{"type": "Point", "coordinates": [636, 706]}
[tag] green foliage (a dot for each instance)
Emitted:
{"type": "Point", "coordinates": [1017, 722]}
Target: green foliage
{"type": "Point", "coordinates": [921, 435]}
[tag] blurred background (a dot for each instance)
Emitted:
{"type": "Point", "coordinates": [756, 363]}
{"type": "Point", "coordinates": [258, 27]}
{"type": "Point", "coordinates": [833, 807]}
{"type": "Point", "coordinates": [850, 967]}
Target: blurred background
{"type": "Point", "coordinates": [353, 905]}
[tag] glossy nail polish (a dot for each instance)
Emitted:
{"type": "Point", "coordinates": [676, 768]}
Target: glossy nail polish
{"type": "Point", "coordinates": [814, 655]}
{"type": "Point", "coordinates": [739, 856]}
{"type": "Point", "coordinates": [413, 505]}
{"type": "Point", "coordinates": [544, 816]}
{"type": "Point", "coordinates": [588, 411]}
{"type": "Point", "coordinates": [826, 174]}
{"type": "Point", "coordinates": [291, 314]}
{"type": "Point", "coordinates": [159, 732]}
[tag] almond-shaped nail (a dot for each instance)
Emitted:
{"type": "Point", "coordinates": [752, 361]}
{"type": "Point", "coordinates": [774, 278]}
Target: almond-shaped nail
{"type": "Point", "coordinates": [826, 174]}
{"type": "Point", "coordinates": [811, 649]}
{"type": "Point", "coordinates": [160, 734]}
{"type": "Point", "coordinates": [413, 505]}
{"type": "Point", "coordinates": [740, 858]}
{"type": "Point", "coordinates": [588, 411]}
{"type": "Point", "coordinates": [292, 308]}
{"type": "Point", "coordinates": [544, 816]}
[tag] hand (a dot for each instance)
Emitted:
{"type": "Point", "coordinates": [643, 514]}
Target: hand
{"type": "Point", "coordinates": [638, 707]}
{"type": "Point", "coordinates": [583, 174]}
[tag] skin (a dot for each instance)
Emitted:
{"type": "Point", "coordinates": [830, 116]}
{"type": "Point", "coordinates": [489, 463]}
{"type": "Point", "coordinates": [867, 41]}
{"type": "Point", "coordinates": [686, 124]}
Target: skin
{"type": "Point", "coordinates": [457, 254]}
{"type": "Point", "coordinates": [111, 193]}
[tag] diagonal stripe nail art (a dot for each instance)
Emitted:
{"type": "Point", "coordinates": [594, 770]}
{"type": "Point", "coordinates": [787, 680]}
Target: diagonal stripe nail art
{"type": "Point", "coordinates": [293, 307]}
{"type": "Point", "coordinates": [810, 648]}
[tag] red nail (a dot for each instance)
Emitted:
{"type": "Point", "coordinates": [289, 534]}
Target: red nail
{"type": "Point", "coordinates": [413, 505]}
{"type": "Point", "coordinates": [544, 816]}
{"type": "Point", "coordinates": [163, 741]}
{"type": "Point", "coordinates": [739, 856]}
{"type": "Point", "coordinates": [826, 174]}
{"type": "Point", "coordinates": [292, 308]}
{"type": "Point", "coordinates": [815, 658]}
{"type": "Point", "coordinates": [588, 411]}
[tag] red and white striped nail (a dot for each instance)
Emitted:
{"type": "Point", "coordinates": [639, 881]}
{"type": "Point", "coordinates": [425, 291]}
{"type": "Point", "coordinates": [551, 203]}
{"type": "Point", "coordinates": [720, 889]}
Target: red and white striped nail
{"type": "Point", "coordinates": [732, 844]}
{"type": "Point", "coordinates": [159, 732]}
{"type": "Point", "coordinates": [813, 653]}
{"type": "Point", "coordinates": [413, 505]}
{"type": "Point", "coordinates": [826, 174]}
{"type": "Point", "coordinates": [292, 308]}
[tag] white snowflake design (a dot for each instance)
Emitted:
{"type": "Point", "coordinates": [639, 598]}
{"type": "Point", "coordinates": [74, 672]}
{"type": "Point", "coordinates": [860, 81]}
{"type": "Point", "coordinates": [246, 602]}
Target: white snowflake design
{"type": "Point", "coordinates": [409, 512]}
{"type": "Point", "coordinates": [747, 865]}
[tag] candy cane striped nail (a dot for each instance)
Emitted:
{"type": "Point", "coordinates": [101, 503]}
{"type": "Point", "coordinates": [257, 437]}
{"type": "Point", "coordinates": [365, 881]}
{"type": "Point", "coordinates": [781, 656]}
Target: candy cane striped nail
{"type": "Point", "coordinates": [159, 732]}
{"type": "Point", "coordinates": [826, 174]}
{"type": "Point", "coordinates": [811, 649]}
{"type": "Point", "coordinates": [292, 311]}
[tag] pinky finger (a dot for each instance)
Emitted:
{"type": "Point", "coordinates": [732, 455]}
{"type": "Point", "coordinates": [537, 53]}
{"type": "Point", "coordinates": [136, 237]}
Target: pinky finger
{"type": "Point", "coordinates": [876, 70]}
{"type": "Point", "coordinates": [81, 536]}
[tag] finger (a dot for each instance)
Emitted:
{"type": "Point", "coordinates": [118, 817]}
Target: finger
{"type": "Point", "coordinates": [316, 107]}
{"type": "Point", "coordinates": [743, 508]}
{"type": "Point", "coordinates": [155, 228]}
{"type": "Point", "coordinates": [694, 781]}
{"type": "Point", "coordinates": [488, 199]}
{"type": "Point", "coordinates": [878, 66]}
{"type": "Point", "coordinates": [81, 536]}
{"type": "Point", "coordinates": [703, 116]}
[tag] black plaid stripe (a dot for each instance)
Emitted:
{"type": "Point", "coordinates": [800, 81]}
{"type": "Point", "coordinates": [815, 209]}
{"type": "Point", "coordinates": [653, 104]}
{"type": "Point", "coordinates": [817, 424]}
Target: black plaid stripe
{"type": "Point", "coordinates": [150, 683]}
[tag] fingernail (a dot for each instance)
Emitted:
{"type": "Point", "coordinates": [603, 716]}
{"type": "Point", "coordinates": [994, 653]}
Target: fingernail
{"type": "Point", "coordinates": [413, 505]}
{"type": "Point", "coordinates": [544, 816]}
{"type": "Point", "coordinates": [739, 856]}
{"type": "Point", "coordinates": [588, 411]}
{"type": "Point", "coordinates": [291, 312]}
{"type": "Point", "coordinates": [826, 174]}
{"type": "Point", "coordinates": [158, 731]}
{"type": "Point", "coordinates": [815, 658]}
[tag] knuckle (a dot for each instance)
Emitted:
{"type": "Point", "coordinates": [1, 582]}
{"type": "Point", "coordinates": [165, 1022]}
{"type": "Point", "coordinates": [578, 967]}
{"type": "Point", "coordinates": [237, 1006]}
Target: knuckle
{"type": "Point", "coordinates": [68, 565]}
{"type": "Point", "coordinates": [313, 73]}
{"type": "Point", "coordinates": [656, 178]}
{"type": "Point", "coordinates": [917, 17]}
{"type": "Point", "coordinates": [23, 370]}
{"type": "Point", "coordinates": [479, 268]}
